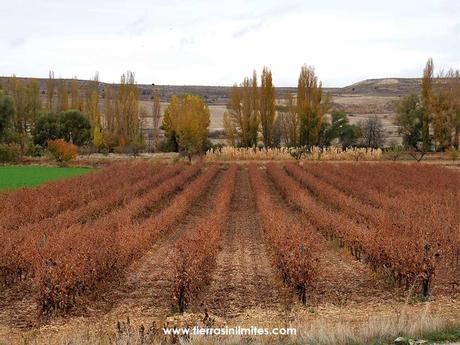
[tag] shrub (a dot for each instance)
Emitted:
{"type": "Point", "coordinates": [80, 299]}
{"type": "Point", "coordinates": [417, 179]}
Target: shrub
{"type": "Point", "coordinates": [10, 153]}
{"type": "Point", "coordinates": [453, 154]}
{"type": "Point", "coordinates": [165, 145]}
{"type": "Point", "coordinates": [87, 150]}
{"type": "Point", "coordinates": [135, 147]}
{"type": "Point", "coordinates": [62, 151]}
{"type": "Point", "coordinates": [34, 150]}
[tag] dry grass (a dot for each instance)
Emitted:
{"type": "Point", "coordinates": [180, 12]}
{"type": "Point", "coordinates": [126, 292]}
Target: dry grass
{"type": "Point", "coordinates": [317, 332]}
{"type": "Point", "coordinates": [315, 153]}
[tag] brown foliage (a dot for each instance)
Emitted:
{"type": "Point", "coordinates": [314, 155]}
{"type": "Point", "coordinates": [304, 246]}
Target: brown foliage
{"type": "Point", "coordinates": [196, 252]}
{"type": "Point", "coordinates": [405, 238]}
{"type": "Point", "coordinates": [294, 245]}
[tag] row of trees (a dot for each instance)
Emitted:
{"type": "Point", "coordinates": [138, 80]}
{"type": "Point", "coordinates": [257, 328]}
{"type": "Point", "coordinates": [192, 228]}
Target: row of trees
{"type": "Point", "coordinates": [431, 120]}
{"type": "Point", "coordinates": [26, 113]}
{"type": "Point", "coordinates": [21, 107]}
{"type": "Point", "coordinates": [298, 120]}
{"type": "Point", "coordinates": [73, 111]}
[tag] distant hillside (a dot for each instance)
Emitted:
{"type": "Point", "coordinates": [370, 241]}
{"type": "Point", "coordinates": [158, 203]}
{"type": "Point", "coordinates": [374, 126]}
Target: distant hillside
{"type": "Point", "coordinates": [384, 87]}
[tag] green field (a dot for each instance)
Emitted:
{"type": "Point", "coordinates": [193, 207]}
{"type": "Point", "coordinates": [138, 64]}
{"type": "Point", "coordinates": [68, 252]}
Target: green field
{"type": "Point", "coordinates": [14, 177]}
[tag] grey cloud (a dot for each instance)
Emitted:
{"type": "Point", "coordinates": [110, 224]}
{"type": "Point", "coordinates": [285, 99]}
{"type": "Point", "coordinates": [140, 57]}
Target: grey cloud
{"type": "Point", "coordinates": [138, 26]}
{"type": "Point", "coordinates": [186, 41]}
{"type": "Point", "coordinates": [17, 42]}
{"type": "Point", "coordinates": [276, 11]}
{"type": "Point", "coordinates": [248, 29]}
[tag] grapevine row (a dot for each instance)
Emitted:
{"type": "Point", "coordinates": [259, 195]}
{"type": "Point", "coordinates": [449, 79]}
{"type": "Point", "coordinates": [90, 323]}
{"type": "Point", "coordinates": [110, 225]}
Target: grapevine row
{"type": "Point", "coordinates": [35, 204]}
{"type": "Point", "coordinates": [355, 209]}
{"type": "Point", "coordinates": [431, 212]}
{"type": "Point", "coordinates": [195, 253]}
{"type": "Point", "coordinates": [294, 246]}
{"type": "Point", "coordinates": [399, 203]}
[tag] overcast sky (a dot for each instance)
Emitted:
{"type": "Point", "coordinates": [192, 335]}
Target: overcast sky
{"type": "Point", "coordinates": [206, 42]}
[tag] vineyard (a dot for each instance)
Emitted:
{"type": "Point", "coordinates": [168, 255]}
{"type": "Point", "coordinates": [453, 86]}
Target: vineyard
{"type": "Point", "coordinates": [155, 239]}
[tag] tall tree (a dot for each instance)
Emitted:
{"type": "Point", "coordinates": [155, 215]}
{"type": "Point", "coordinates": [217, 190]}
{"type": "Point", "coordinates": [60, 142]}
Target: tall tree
{"type": "Point", "coordinates": [26, 100]}
{"type": "Point", "coordinates": [6, 114]}
{"type": "Point", "coordinates": [254, 117]}
{"type": "Point", "coordinates": [17, 91]}
{"type": "Point", "coordinates": [170, 122]}
{"type": "Point", "coordinates": [128, 108]}
{"type": "Point", "coordinates": [409, 119]}
{"type": "Point", "coordinates": [110, 109]}
{"type": "Point", "coordinates": [33, 102]}
{"type": "Point", "coordinates": [63, 96]}
{"type": "Point", "coordinates": [242, 120]}
{"type": "Point", "coordinates": [156, 111]}
{"type": "Point", "coordinates": [75, 101]}
{"type": "Point", "coordinates": [373, 133]}
{"type": "Point", "coordinates": [267, 106]}
{"type": "Point", "coordinates": [442, 120]}
{"type": "Point", "coordinates": [446, 110]}
{"type": "Point", "coordinates": [91, 108]}
{"type": "Point", "coordinates": [427, 99]}
{"type": "Point", "coordinates": [289, 120]}
{"type": "Point", "coordinates": [189, 119]}
{"type": "Point", "coordinates": [50, 88]}
{"type": "Point", "coordinates": [311, 106]}
{"type": "Point", "coordinates": [454, 96]}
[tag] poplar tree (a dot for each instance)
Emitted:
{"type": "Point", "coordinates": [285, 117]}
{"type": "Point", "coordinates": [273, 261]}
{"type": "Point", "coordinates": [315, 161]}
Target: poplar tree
{"type": "Point", "coordinates": [311, 106]}
{"type": "Point", "coordinates": [267, 106]}
{"type": "Point", "coordinates": [33, 102]}
{"type": "Point", "coordinates": [242, 120]}
{"type": "Point", "coordinates": [63, 96]}
{"type": "Point", "coordinates": [50, 88]}
{"type": "Point", "coordinates": [290, 122]}
{"type": "Point", "coordinates": [427, 100]}
{"type": "Point", "coordinates": [170, 122]}
{"type": "Point", "coordinates": [128, 109]}
{"type": "Point", "coordinates": [16, 90]}
{"type": "Point", "coordinates": [109, 114]}
{"type": "Point", "coordinates": [156, 111]}
{"type": "Point", "coordinates": [75, 101]}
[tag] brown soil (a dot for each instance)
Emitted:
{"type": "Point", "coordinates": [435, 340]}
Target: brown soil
{"type": "Point", "coordinates": [244, 278]}
{"type": "Point", "coordinates": [17, 306]}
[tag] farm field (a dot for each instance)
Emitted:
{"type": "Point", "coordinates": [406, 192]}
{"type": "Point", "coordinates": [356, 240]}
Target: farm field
{"type": "Point", "coordinates": [121, 251]}
{"type": "Point", "coordinates": [14, 177]}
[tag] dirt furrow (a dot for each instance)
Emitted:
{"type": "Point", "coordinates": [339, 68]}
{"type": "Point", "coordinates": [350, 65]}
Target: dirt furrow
{"type": "Point", "coordinates": [244, 277]}
{"type": "Point", "coordinates": [341, 279]}
{"type": "Point", "coordinates": [147, 290]}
